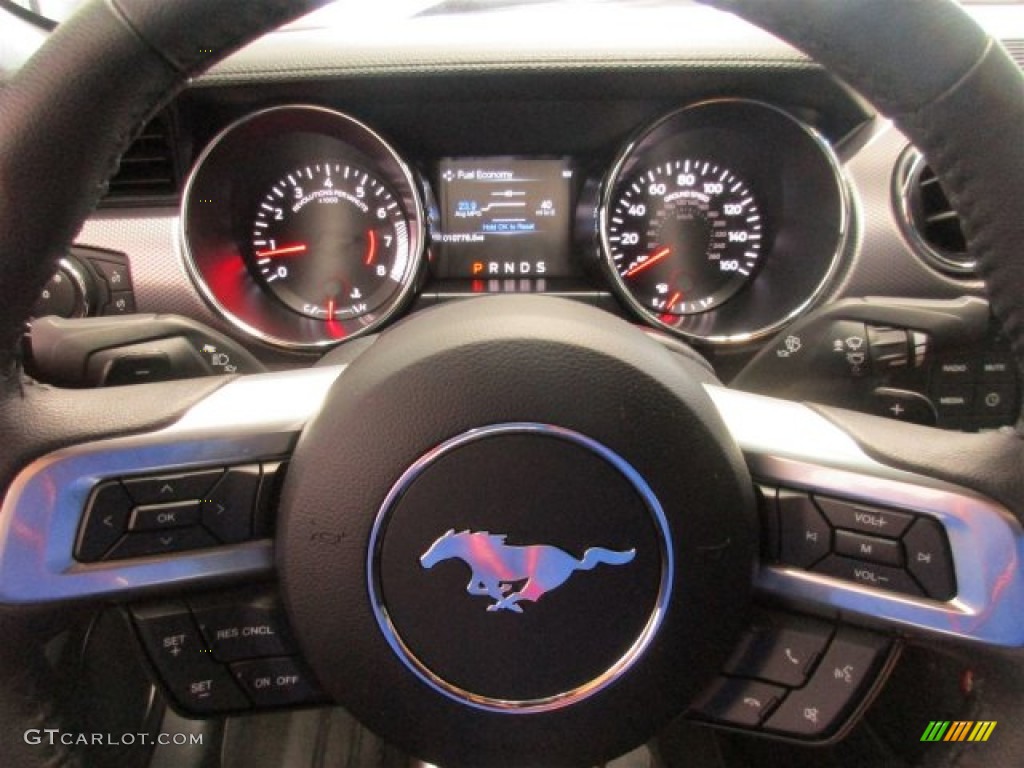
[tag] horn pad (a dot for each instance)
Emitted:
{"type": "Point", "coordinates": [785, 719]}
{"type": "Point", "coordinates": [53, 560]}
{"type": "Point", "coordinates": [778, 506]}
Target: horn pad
{"type": "Point", "coordinates": [517, 533]}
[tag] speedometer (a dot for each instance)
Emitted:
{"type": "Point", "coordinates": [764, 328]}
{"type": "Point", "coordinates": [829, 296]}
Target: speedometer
{"type": "Point", "coordinates": [684, 236]}
{"type": "Point", "coordinates": [723, 221]}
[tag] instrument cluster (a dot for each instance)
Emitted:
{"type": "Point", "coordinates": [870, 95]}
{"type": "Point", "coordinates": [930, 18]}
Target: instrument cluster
{"type": "Point", "coordinates": [719, 223]}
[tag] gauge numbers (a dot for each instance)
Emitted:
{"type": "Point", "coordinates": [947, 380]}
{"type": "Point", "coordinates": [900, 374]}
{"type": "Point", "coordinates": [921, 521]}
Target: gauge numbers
{"type": "Point", "coordinates": [684, 236]}
{"type": "Point", "coordinates": [330, 241]}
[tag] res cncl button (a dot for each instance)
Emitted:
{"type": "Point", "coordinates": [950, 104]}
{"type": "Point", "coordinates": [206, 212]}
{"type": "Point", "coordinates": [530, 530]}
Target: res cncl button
{"type": "Point", "coordinates": [235, 628]}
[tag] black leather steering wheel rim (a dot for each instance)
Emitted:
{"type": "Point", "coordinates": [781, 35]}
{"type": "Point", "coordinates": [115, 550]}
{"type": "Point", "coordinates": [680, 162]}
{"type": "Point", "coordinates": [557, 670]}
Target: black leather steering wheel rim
{"type": "Point", "coordinates": [70, 113]}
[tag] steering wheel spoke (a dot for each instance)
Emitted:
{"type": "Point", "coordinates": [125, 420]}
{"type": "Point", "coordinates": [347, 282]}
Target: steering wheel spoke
{"type": "Point", "coordinates": [142, 512]}
{"type": "Point", "coordinates": [846, 534]}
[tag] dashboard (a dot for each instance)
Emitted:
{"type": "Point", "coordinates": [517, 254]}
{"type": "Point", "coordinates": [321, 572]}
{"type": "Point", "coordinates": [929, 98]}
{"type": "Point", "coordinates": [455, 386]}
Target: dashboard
{"type": "Point", "coordinates": [718, 223]}
{"type": "Point", "coordinates": [715, 187]}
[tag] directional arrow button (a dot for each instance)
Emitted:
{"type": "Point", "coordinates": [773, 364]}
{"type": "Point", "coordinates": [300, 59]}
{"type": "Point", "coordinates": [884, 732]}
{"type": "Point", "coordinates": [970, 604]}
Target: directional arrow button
{"type": "Point", "coordinates": [185, 486]}
{"type": "Point", "coordinates": [106, 518]}
{"type": "Point", "coordinates": [228, 509]}
{"type": "Point", "coordinates": [147, 543]}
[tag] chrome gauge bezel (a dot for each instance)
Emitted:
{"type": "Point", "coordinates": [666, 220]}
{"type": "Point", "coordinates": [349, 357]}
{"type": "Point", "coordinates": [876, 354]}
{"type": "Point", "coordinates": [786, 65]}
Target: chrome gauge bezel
{"type": "Point", "coordinates": [259, 314]}
{"type": "Point", "coordinates": [745, 317]}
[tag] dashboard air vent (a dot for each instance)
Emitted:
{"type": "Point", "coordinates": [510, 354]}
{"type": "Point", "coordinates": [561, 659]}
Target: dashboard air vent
{"type": "Point", "coordinates": [928, 217]}
{"type": "Point", "coordinates": [148, 172]}
{"type": "Point", "coordinates": [1016, 49]}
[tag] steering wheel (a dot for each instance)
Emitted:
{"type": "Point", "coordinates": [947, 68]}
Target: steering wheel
{"type": "Point", "coordinates": [415, 448]}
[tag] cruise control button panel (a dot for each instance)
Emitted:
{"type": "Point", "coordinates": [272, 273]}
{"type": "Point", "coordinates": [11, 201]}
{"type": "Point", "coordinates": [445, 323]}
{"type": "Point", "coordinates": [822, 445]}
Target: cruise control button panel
{"type": "Point", "coordinates": [888, 549]}
{"type": "Point", "coordinates": [193, 680]}
{"type": "Point", "coordinates": [166, 514]}
{"type": "Point", "coordinates": [797, 678]}
{"type": "Point", "coordinates": [227, 652]}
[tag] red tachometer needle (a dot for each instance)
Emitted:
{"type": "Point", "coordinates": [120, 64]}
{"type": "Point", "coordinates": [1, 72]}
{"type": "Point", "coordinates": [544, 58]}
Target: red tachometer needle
{"type": "Point", "coordinates": [654, 258]}
{"type": "Point", "coordinates": [290, 250]}
{"type": "Point", "coordinates": [371, 250]}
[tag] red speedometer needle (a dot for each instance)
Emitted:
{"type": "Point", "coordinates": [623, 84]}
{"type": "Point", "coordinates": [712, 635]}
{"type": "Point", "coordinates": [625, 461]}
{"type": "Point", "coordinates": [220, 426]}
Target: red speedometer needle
{"type": "Point", "coordinates": [371, 249]}
{"type": "Point", "coordinates": [654, 258]}
{"type": "Point", "coordinates": [290, 250]}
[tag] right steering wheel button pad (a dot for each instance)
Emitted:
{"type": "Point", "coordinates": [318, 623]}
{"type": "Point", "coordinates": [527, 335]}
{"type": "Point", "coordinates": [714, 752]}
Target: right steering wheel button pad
{"type": "Point", "coordinates": [166, 514]}
{"type": "Point", "coordinates": [897, 551]}
{"type": "Point", "coordinates": [226, 652]}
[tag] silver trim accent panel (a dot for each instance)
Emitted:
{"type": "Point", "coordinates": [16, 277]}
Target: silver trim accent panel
{"type": "Point", "coordinates": [791, 444]}
{"type": "Point", "coordinates": [260, 417]}
{"type": "Point", "coordinates": [248, 419]}
{"type": "Point", "coordinates": [549, 703]}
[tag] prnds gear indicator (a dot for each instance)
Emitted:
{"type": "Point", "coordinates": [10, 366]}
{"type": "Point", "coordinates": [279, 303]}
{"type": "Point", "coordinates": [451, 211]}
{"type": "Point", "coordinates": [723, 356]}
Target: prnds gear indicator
{"type": "Point", "coordinates": [504, 217]}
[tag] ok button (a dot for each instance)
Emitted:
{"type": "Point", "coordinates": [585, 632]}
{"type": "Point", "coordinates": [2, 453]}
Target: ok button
{"type": "Point", "coordinates": [158, 517]}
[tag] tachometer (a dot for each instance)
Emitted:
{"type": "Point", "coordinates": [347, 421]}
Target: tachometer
{"type": "Point", "coordinates": [330, 241]}
{"type": "Point", "coordinates": [684, 236]}
{"type": "Point", "coordinates": [303, 227]}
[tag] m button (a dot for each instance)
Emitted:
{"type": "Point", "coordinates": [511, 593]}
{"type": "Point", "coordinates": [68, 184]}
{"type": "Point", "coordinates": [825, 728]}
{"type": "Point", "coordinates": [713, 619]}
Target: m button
{"type": "Point", "coordinates": [872, 548]}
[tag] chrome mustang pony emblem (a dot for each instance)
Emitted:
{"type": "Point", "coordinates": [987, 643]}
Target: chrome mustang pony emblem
{"type": "Point", "coordinates": [498, 567]}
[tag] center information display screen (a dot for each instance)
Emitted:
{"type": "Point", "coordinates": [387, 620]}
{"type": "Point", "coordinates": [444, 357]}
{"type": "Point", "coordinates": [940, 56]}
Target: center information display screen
{"type": "Point", "coordinates": [503, 217]}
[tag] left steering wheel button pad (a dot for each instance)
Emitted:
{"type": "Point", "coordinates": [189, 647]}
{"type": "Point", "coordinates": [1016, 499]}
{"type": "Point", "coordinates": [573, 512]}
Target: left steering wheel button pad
{"type": "Point", "coordinates": [166, 514]}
